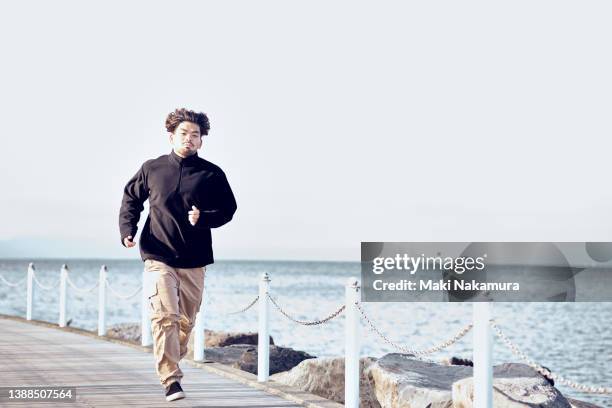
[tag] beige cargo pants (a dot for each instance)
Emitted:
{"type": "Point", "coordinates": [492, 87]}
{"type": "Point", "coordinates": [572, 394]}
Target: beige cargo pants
{"type": "Point", "coordinates": [175, 297]}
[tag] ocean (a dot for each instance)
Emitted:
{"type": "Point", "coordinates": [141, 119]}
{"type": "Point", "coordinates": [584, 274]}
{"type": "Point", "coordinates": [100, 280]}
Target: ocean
{"type": "Point", "coordinates": [572, 339]}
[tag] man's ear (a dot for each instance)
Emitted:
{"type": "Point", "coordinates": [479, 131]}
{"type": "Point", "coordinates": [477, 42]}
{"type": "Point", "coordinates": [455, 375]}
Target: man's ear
{"type": "Point", "coordinates": [170, 137]}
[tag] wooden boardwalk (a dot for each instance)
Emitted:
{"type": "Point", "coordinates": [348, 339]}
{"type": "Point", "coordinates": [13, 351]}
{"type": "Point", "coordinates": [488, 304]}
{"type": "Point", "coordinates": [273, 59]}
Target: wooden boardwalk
{"type": "Point", "coordinates": [107, 374]}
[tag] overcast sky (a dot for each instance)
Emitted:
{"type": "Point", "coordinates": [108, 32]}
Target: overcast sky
{"type": "Point", "coordinates": [335, 122]}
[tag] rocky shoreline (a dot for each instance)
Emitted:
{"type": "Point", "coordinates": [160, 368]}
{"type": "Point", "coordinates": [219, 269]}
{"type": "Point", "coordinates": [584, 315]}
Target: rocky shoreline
{"type": "Point", "coordinates": [393, 381]}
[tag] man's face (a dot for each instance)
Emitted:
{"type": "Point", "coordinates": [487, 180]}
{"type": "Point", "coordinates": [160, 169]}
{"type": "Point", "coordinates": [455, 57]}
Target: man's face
{"type": "Point", "coordinates": [186, 139]}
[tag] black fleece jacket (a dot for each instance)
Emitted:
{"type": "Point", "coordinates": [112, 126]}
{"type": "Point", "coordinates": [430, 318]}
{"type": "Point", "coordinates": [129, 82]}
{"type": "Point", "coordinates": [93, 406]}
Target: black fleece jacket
{"type": "Point", "coordinates": [173, 184]}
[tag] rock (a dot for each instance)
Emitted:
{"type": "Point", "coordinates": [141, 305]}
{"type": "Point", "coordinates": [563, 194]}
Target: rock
{"type": "Point", "coordinates": [229, 355]}
{"type": "Point", "coordinates": [514, 386]}
{"type": "Point", "coordinates": [221, 339]}
{"type": "Point", "coordinates": [214, 339]}
{"type": "Point", "coordinates": [281, 359]}
{"type": "Point", "coordinates": [125, 331]}
{"type": "Point", "coordinates": [325, 378]}
{"type": "Point", "coordinates": [581, 404]}
{"type": "Point", "coordinates": [400, 381]}
{"type": "Point", "coordinates": [244, 357]}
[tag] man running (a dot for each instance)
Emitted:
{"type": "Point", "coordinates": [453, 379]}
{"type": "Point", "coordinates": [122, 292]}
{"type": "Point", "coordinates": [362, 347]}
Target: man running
{"type": "Point", "coordinates": [187, 197]}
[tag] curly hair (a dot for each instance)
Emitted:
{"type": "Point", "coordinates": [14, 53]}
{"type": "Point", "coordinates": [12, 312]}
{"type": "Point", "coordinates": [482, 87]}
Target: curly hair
{"type": "Point", "coordinates": [184, 115]}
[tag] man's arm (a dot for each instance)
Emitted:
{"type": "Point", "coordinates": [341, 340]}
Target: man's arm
{"type": "Point", "coordinates": [223, 204]}
{"type": "Point", "coordinates": [135, 194]}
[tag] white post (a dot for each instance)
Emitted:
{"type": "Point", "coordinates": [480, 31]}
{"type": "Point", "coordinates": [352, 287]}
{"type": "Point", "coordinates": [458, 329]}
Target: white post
{"type": "Point", "coordinates": [102, 301]}
{"type": "Point", "coordinates": [351, 348]}
{"type": "Point", "coordinates": [263, 336]}
{"type": "Point", "coordinates": [483, 349]}
{"type": "Point", "coordinates": [198, 337]}
{"type": "Point", "coordinates": [62, 296]}
{"type": "Point", "coordinates": [30, 294]}
{"type": "Point", "coordinates": [145, 320]}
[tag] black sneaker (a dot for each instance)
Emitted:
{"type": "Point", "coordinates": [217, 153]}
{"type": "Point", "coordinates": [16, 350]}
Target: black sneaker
{"type": "Point", "coordinates": [174, 392]}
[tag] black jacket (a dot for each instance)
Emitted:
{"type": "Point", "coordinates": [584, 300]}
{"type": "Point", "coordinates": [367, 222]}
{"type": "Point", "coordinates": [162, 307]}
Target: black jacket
{"type": "Point", "coordinates": [173, 184]}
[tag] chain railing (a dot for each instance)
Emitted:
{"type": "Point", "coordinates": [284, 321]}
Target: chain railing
{"type": "Point", "coordinates": [119, 295]}
{"type": "Point", "coordinates": [543, 370]}
{"type": "Point", "coordinates": [13, 285]}
{"type": "Point", "coordinates": [79, 290]}
{"type": "Point", "coordinates": [32, 280]}
{"type": "Point", "coordinates": [306, 322]}
{"type": "Point", "coordinates": [406, 350]}
{"type": "Point", "coordinates": [244, 309]}
{"type": "Point", "coordinates": [225, 313]}
{"type": "Point", "coordinates": [44, 287]}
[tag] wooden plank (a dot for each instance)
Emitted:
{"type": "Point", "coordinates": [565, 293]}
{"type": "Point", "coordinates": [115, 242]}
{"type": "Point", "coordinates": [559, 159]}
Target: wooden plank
{"type": "Point", "coordinates": [108, 374]}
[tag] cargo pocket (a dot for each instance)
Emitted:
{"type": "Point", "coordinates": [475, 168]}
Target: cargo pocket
{"type": "Point", "coordinates": [153, 295]}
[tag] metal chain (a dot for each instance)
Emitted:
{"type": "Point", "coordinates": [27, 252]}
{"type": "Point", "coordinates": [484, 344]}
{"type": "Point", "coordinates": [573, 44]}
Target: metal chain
{"type": "Point", "coordinates": [244, 309]}
{"type": "Point", "coordinates": [43, 287]}
{"type": "Point", "coordinates": [12, 284]}
{"type": "Point", "coordinates": [415, 352]}
{"type": "Point", "coordinates": [303, 322]}
{"type": "Point", "coordinates": [207, 300]}
{"type": "Point", "coordinates": [82, 290]}
{"type": "Point", "coordinates": [119, 295]}
{"type": "Point", "coordinates": [545, 372]}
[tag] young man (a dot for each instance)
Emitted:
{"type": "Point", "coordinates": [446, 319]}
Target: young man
{"type": "Point", "coordinates": [187, 197]}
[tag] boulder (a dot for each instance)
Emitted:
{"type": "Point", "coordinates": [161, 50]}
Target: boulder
{"type": "Point", "coordinates": [214, 339]}
{"type": "Point", "coordinates": [221, 339]}
{"type": "Point", "coordinates": [581, 404]}
{"type": "Point", "coordinates": [325, 377]}
{"type": "Point", "coordinates": [244, 357]}
{"type": "Point", "coordinates": [402, 381]}
{"type": "Point", "coordinates": [281, 359]}
{"type": "Point", "coordinates": [229, 355]}
{"type": "Point", "coordinates": [514, 386]}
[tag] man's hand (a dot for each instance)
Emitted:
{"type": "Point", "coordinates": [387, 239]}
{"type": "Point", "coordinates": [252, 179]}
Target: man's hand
{"type": "Point", "coordinates": [194, 215]}
{"type": "Point", "coordinates": [127, 241]}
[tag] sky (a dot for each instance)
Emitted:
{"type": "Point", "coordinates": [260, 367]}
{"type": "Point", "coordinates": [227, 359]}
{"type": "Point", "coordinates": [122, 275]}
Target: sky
{"type": "Point", "coordinates": [335, 122]}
